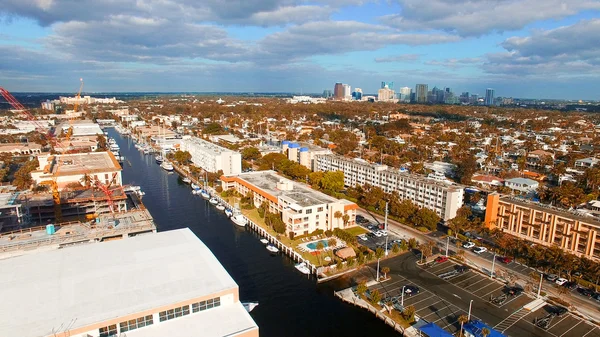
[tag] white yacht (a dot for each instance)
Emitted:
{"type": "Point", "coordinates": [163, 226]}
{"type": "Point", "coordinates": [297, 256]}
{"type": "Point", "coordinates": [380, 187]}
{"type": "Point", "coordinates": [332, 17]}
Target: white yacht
{"type": "Point", "coordinates": [213, 201]}
{"type": "Point", "coordinates": [167, 166]}
{"type": "Point", "coordinates": [220, 207]}
{"type": "Point", "coordinates": [239, 220]}
{"type": "Point", "coordinates": [264, 241]}
{"type": "Point", "coordinates": [186, 180]}
{"type": "Point", "coordinates": [205, 194]}
{"type": "Point", "coordinates": [303, 268]}
{"type": "Point", "coordinates": [195, 187]}
{"type": "Point", "coordinates": [159, 159]}
{"type": "Point", "coordinates": [249, 306]}
{"type": "Point", "coordinates": [272, 249]}
{"type": "Point", "coordinates": [228, 212]}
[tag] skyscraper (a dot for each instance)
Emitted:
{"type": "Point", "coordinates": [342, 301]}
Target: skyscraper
{"type": "Point", "coordinates": [338, 91]}
{"type": "Point", "coordinates": [421, 93]}
{"type": "Point", "coordinates": [327, 93]}
{"type": "Point", "coordinates": [357, 94]}
{"type": "Point", "coordinates": [489, 96]}
{"type": "Point", "coordinates": [386, 95]}
{"type": "Point", "coordinates": [405, 94]}
{"type": "Point", "coordinates": [347, 92]}
{"type": "Point", "coordinates": [390, 85]}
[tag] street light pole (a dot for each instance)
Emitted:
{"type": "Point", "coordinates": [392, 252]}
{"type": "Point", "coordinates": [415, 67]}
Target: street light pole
{"type": "Point", "coordinates": [469, 315]}
{"type": "Point", "coordinates": [540, 287]}
{"type": "Point", "coordinates": [493, 264]}
{"type": "Point", "coordinates": [386, 228]}
{"type": "Point", "coordinates": [402, 299]}
{"type": "Point", "coordinates": [447, 245]}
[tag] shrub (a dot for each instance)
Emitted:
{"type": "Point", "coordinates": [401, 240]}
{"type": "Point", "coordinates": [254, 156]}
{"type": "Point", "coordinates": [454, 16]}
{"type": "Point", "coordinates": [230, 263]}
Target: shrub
{"type": "Point", "coordinates": [345, 236]}
{"type": "Point", "coordinates": [328, 233]}
{"type": "Point", "coordinates": [219, 189]}
{"type": "Point", "coordinates": [247, 206]}
{"type": "Point", "coordinates": [423, 229]}
{"type": "Point", "coordinates": [317, 232]}
{"type": "Point", "coordinates": [395, 248]}
{"type": "Point", "coordinates": [462, 237]}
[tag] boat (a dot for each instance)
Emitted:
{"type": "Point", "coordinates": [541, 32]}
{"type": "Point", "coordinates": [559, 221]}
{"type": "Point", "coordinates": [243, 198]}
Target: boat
{"type": "Point", "coordinates": [159, 159]}
{"type": "Point", "coordinates": [166, 166]}
{"type": "Point", "coordinates": [272, 249]}
{"type": "Point", "coordinates": [264, 241]}
{"type": "Point", "coordinates": [303, 268]}
{"type": "Point", "coordinates": [146, 151]}
{"type": "Point", "coordinates": [249, 306]}
{"type": "Point", "coordinates": [213, 201]}
{"type": "Point", "coordinates": [228, 212]}
{"type": "Point", "coordinates": [195, 187]}
{"type": "Point", "coordinates": [239, 220]}
{"type": "Point", "coordinates": [196, 192]}
{"type": "Point", "coordinates": [186, 180]}
{"type": "Point", "coordinates": [220, 207]}
{"type": "Point", "coordinates": [205, 194]}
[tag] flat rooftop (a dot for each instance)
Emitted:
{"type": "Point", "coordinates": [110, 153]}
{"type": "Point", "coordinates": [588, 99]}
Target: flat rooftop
{"type": "Point", "coordinates": [300, 193]}
{"type": "Point", "coordinates": [565, 213]}
{"type": "Point", "coordinates": [232, 320]}
{"type": "Point", "coordinates": [84, 285]}
{"type": "Point", "coordinates": [79, 163]}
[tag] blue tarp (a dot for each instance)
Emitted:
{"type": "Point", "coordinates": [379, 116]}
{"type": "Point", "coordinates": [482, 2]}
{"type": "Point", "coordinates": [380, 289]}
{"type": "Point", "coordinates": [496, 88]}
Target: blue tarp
{"type": "Point", "coordinates": [475, 327]}
{"type": "Point", "coordinates": [432, 330]}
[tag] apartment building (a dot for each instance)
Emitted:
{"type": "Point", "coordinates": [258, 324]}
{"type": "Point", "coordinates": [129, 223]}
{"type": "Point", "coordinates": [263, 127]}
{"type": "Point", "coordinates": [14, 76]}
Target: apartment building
{"type": "Point", "coordinates": [445, 199]}
{"type": "Point", "coordinates": [163, 284]}
{"type": "Point", "coordinates": [72, 168]}
{"type": "Point", "coordinates": [212, 157]}
{"type": "Point", "coordinates": [544, 224]}
{"type": "Point", "coordinates": [303, 209]}
{"type": "Point", "coordinates": [303, 153]}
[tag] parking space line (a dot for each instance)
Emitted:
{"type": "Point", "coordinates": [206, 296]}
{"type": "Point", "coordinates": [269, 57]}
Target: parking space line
{"type": "Point", "coordinates": [406, 297]}
{"type": "Point", "coordinates": [423, 300]}
{"type": "Point", "coordinates": [579, 322]}
{"type": "Point", "coordinates": [472, 284]}
{"type": "Point", "coordinates": [562, 319]}
{"type": "Point", "coordinates": [486, 295]}
{"type": "Point", "coordinates": [487, 285]}
{"type": "Point", "coordinates": [446, 269]}
{"type": "Point", "coordinates": [537, 327]}
{"type": "Point", "coordinates": [587, 333]}
{"type": "Point", "coordinates": [429, 305]}
{"type": "Point", "coordinates": [468, 278]}
{"type": "Point", "coordinates": [512, 299]}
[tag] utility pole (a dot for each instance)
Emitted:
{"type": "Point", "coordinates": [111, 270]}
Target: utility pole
{"type": "Point", "coordinates": [386, 228]}
{"type": "Point", "coordinates": [447, 245]}
{"type": "Point", "coordinates": [540, 287]}
{"type": "Point", "coordinates": [377, 270]}
{"type": "Point", "coordinates": [402, 300]}
{"type": "Point", "coordinates": [470, 306]}
{"type": "Point", "coordinates": [493, 264]}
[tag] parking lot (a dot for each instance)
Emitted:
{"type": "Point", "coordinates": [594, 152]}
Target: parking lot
{"type": "Point", "coordinates": [563, 326]}
{"type": "Point", "coordinates": [428, 305]}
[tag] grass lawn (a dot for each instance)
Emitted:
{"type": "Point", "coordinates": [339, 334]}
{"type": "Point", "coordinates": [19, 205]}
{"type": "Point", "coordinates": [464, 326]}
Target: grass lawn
{"type": "Point", "coordinates": [356, 230]}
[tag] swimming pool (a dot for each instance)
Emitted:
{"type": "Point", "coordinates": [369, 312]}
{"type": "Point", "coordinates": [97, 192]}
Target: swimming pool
{"type": "Point", "coordinates": [313, 245]}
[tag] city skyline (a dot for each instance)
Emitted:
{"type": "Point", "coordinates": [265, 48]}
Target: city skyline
{"type": "Point", "coordinates": [534, 49]}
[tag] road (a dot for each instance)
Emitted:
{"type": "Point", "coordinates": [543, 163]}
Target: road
{"type": "Point", "coordinates": [586, 307]}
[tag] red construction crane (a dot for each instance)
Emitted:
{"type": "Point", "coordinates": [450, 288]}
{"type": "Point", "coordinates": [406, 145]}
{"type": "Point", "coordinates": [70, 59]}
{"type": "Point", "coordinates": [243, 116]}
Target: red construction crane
{"type": "Point", "coordinates": [52, 139]}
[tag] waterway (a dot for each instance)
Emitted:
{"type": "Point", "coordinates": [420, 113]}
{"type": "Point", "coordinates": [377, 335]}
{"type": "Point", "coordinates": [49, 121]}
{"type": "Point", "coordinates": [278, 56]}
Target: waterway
{"type": "Point", "coordinates": [290, 304]}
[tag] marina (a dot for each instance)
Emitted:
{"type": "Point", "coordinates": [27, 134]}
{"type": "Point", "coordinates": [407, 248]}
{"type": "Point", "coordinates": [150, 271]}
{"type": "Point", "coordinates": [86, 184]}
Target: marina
{"type": "Point", "coordinates": [264, 278]}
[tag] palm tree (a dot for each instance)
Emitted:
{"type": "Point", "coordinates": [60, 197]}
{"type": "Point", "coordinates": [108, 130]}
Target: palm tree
{"type": "Point", "coordinates": [485, 332]}
{"type": "Point", "coordinates": [427, 249]}
{"type": "Point", "coordinates": [345, 218]}
{"type": "Point", "coordinates": [338, 215]}
{"type": "Point", "coordinates": [409, 313]}
{"type": "Point", "coordinates": [386, 270]}
{"type": "Point", "coordinates": [331, 243]}
{"type": "Point", "coordinates": [361, 288]}
{"type": "Point", "coordinates": [379, 253]}
{"type": "Point", "coordinates": [462, 319]}
{"type": "Point", "coordinates": [319, 248]}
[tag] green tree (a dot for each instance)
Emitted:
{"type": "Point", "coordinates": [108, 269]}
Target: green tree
{"type": "Point", "coordinates": [361, 288]}
{"type": "Point", "coordinates": [182, 157]}
{"type": "Point", "coordinates": [213, 129]}
{"type": "Point", "coordinates": [251, 153]}
{"type": "Point", "coordinates": [345, 219]}
{"type": "Point", "coordinates": [350, 262]}
{"type": "Point", "coordinates": [466, 166]}
{"type": "Point", "coordinates": [22, 178]}
{"type": "Point", "coordinates": [460, 221]}
{"type": "Point", "coordinates": [338, 216]}
{"type": "Point", "coordinates": [486, 332]}
{"type": "Point", "coordinates": [269, 161]}
{"type": "Point", "coordinates": [462, 319]}
{"type": "Point", "coordinates": [331, 243]}
{"type": "Point", "coordinates": [102, 145]}
{"type": "Point", "coordinates": [409, 313]}
{"type": "Point", "coordinates": [319, 248]}
{"type": "Point", "coordinates": [395, 248]}
{"type": "Point", "coordinates": [379, 253]}
{"type": "Point", "coordinates": [403, 245]}
{"type": "Point", "coordinates": [375, 297]}
{"type": "Point", "coordinates": [385, 271]}
{"type": "Point", "coordinates": [412, 243]}
{"type": "Point", "coordinates": [274, 221]}
{"type": "Point", "coordinates": [332, 181]}
{"type": "Point", "coordinates": [427, 218]}
{"type": "Point", "coordinates": [315, 178]}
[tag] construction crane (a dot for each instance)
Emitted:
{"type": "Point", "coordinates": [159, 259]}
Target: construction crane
{"type": "Point", "coordinates": [55, 144]}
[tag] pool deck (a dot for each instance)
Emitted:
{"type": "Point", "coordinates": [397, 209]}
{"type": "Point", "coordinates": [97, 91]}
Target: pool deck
{"type": "Point", "coordinates": [304, 246]}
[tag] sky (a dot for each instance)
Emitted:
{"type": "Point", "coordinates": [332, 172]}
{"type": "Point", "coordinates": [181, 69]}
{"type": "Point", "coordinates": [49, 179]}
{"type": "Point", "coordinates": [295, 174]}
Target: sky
{"type": "Point", "coordinates": [521, 48]}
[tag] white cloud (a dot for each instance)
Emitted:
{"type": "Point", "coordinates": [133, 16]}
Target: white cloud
{"type": "Point", "coordinates": [479, 17]}
{"type": "Point", "coordinates": [399, 58]}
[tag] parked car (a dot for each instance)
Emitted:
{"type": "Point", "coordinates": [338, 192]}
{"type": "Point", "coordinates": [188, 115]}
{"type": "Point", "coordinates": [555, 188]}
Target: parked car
{"type": "Point", "coordinates": [596, 296]}
{"type": "Point", "coordinates": [561, 281]}
{"type": "Point", "coordinates": [570, 285]}
{"type": "Point", "coordinates": [514, 291]}
{"type": "Point", "coordinates": [411, 290]}
{"type": "Point", "coordinates": [441, 259]}
{"type": "Point", "coordinates": [559, 311]}
{"type": "Point", "coordinates": [551, 277]}
{"type": "Point", "coordinates": [383, 232]}
{"type": "Point", "coordinates": [479, 250]}
{"type": "Point", "coordinates": [461, 269]}
{"type": "Point", "coordinates": [377, 234]}
{"type": "Point", "coordinates": [585, 292]}
{"type": "Point", "coordinates": [468, 245]}
{"type": "Point", "coordinates": [372, 227]}
{"type": "Point", "coordinates": [505, 259]}
{"type": "Point", "coordinates": [363, 237]}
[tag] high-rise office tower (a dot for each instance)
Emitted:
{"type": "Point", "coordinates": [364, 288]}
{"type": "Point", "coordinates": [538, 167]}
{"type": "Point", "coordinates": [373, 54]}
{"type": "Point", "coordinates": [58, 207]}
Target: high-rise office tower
{"type": "Point", "coordinates": [489, 96]}
{"type": "Point", "coordinates": [421, 93]}
{"type": "Point", "coordinates": [357, 94]}
{"type": "Point", "coordinates": [405, 94]}
{"type": "Point", "coordinates": [390, 85]}
{"type": "Point", "coordinates": [327, 93]}
{"type": "Point", "coordinates": [347, 92]}
{"type": "Point", "coordinates": [338, 91]}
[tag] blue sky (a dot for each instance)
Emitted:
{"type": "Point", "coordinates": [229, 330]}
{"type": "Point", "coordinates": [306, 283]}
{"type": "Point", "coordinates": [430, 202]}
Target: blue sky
{"type": "Point", "coordinates": [521, 48]}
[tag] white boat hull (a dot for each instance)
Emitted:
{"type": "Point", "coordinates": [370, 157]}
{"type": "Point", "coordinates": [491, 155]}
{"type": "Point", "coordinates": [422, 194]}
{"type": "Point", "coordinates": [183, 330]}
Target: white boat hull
{"type": "Point", "coordinates": [303, 268]}
{"type": "Point", "coordinates": [272, 249]}
{"type": "Point", "coordinates": [239, 220]}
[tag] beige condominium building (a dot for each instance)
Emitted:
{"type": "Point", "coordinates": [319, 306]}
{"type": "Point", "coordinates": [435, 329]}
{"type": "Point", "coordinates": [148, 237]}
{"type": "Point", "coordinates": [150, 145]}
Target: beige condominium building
{"type": "Point", "coordinates": [443, 198]}
{"type": "Point", "coordinates": [212, 157]}
{"type": "Point", "coordinates": [544, 224]}
{"type": "Point", "coordinates": [303, 209]}
{"type": "Point", "coordinates": [154, 285]}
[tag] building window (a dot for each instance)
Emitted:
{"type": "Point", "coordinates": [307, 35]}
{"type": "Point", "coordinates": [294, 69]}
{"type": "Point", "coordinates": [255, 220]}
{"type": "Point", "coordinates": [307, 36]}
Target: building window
{"type": "Point", "coordinates": [174, 313]}
{"type": "Point", "coordinates": [133, 324]}
{"type": "Point", "coordinates": [319, 209]}
{"type": "Point", "coordinates": [204, 305]}
{"type": "Point", "coordinates": [107, 331]}
{"type": "Point", "coordinates": [309, 211]}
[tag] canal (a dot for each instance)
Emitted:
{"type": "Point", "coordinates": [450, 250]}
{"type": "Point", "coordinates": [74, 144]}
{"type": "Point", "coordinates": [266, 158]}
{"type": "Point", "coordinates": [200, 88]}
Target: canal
{"type": "Point", "coordinates": [290, 304]}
